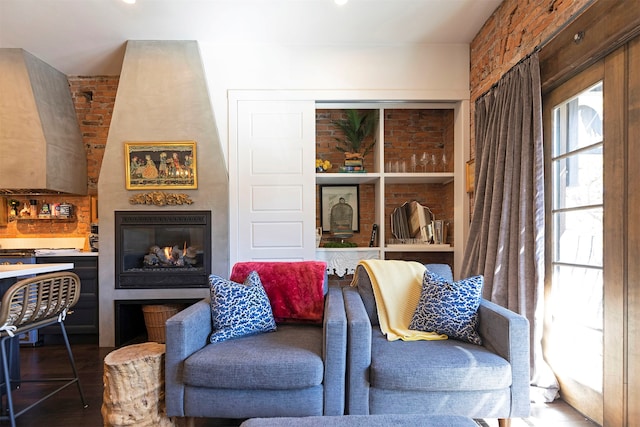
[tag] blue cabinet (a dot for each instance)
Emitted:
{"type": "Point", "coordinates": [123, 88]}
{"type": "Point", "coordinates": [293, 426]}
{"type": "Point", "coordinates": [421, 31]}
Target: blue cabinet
{"type": "Point", "coordinates": [84, 319]}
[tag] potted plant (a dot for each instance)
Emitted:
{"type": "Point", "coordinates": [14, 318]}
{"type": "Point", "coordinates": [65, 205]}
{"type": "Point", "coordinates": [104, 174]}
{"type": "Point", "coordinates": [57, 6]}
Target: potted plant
{"type": "Point", "coordinates": [356, 128]}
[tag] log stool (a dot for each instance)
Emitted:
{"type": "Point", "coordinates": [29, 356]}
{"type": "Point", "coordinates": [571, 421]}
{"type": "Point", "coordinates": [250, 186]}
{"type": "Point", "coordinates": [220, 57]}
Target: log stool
{"type": "Point", "coordinates": [134, 387]}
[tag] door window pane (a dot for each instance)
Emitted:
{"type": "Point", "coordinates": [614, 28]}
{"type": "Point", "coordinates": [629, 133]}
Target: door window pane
{"type": "Point", "coordinates": [578, 179]}
{"type": "Point", "coordinates": [579, 237]}
{"type": "Point", "coordinates": [575, 340]}
{"type": "Point", "coordinates": [578, 121]}
{"type": "Point", "coordinates": [582, 287]}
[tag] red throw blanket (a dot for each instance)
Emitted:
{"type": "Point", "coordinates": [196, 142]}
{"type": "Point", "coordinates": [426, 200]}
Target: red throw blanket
{"type": "Point", "coordinates": [295, 289]}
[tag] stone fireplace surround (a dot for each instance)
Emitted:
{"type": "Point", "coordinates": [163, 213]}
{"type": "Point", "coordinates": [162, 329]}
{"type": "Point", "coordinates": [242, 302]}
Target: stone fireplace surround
{"type": "Point", "coordinates": [162, 96]}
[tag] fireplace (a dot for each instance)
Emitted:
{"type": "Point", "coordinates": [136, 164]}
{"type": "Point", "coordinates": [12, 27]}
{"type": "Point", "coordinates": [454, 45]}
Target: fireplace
{"type": "Point", "coordinates": [162, 249]}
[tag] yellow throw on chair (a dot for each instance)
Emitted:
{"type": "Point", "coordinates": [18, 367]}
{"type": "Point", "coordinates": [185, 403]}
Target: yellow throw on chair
{"type": "Point", "coordinates": [396, 287]}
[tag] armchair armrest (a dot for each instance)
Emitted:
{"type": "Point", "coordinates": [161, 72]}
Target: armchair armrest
{"type": "Point", "coordinates": [187, 332]}
{"type": "Point", "coordinates": [507, 334]}
{"type": "Point", "coordinates": [358, 353]}
{"type": "Point", "coordinates": [334, 352]}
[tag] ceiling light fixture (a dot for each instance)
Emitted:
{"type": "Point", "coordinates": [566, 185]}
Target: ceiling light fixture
{"type": "Point", "coordinates": [129, 1]}
{"type": "Point", "coordinates": [340, 2]}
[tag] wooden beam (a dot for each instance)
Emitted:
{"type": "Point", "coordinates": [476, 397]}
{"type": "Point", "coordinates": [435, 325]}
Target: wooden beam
{"type": "Point", "coordinates": [599, 30]}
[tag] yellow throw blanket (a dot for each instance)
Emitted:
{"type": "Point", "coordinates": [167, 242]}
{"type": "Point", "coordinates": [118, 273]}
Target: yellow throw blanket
{"type": "Point", "coordinates": [397, 286]}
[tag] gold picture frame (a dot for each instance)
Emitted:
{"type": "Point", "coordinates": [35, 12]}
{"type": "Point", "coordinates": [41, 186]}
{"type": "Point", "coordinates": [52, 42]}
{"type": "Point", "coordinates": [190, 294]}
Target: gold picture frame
{"type": "Point", "coordinates": [94, 209]}
{"type": "Point", "coordinates": [4, 212]}
{"type": "Point", "coordinates": [160, 165]}
{"type": "Point", "coordinates": [471, 175]}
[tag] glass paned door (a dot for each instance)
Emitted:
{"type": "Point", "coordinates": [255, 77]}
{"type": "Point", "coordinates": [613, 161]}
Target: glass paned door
{"type": "Point", "coordinates": [574, 337]}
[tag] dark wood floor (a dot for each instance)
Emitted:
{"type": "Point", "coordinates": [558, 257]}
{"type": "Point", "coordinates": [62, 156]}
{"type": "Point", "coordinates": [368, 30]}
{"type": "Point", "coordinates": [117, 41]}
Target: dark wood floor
{"type": "Point", "coordinates": [65, 408]}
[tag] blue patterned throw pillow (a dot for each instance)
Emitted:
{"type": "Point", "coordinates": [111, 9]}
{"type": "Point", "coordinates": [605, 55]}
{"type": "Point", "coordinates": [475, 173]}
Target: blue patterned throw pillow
{"type": "Point", "coordinates": [449, 308]}
{"type": "Point", "coordinates": [239, 309]}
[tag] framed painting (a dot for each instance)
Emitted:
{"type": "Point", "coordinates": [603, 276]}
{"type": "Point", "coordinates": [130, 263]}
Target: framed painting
{"type": "Point", "coordinates": [161, 165]}
{"type": "Point", "coordinates": [470, 175]}
{"type": "Point", "coordinates": [94, 209]}
{"type": "Point", "coordinates": [331, 195]}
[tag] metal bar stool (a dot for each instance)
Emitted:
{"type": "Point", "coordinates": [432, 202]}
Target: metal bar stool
{"type": "Point", "coordinates": [30, 304]}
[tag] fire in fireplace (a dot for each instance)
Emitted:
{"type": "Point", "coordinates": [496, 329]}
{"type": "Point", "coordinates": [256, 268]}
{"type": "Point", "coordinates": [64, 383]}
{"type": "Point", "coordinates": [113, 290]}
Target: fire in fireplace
{"type": "Point", "coordinates": [162, 249]}
{"type": "Point", "coordinates": [171, 257]}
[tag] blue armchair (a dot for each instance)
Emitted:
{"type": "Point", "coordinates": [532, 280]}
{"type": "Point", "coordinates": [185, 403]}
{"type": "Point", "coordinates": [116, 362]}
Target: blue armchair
{"type": "Point", "coordinates": [298, 370]}
{"type": "Point", "coordinates": [436, 377]}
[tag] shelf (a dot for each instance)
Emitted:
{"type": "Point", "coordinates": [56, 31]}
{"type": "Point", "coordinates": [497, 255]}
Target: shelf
{"type": "Point", "coordinates": [346, 178]}
{"type": "Point", "coordinates": [419, 178]}
{"type": "Point", "coordinates": [53, 219]}
{"type": "Point", "coordinates": [418, 248]}
{"type": "Point", "coordinates": [356, 249]}
{"type": "Point", "coordinates": [390, 178]}
{"type": "Point", "coordinates": [343, 261]}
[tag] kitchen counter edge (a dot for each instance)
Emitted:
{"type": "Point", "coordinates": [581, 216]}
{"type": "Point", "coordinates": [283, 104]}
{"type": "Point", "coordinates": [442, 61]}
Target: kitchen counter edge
{"type": "Point", "coordinates": [67, 254]}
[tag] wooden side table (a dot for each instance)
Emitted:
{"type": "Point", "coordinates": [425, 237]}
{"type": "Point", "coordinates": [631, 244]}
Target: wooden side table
{"type": "Point", "coordinates": [134, 387]}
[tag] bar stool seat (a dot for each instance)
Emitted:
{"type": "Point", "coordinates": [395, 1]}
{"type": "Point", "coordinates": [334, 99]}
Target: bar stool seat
{"type": "Point", "coordinates": [31, 304]}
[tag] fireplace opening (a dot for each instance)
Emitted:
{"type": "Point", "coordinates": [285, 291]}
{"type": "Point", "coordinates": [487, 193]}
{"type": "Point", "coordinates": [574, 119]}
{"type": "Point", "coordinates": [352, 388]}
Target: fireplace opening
{"type": "Point", "coordinates": [168, 249]}
{"type": "Point", "coordinates": [130, 327]}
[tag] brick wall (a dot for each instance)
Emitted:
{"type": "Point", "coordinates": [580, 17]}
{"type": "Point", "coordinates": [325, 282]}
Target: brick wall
{"type": "Point", "coordinates": [514, 30]}
{"type": "Point", "coordinates": [94, 98]}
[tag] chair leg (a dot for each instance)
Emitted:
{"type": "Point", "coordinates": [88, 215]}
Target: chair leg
{"type": "Point", "coordinates": [184, 421]}
{"type": "Point", "coordinates": [7, 380]}
{"type": "Point", "coordinates": [504, 422]}
{"type": "Point", "coordinates": [73, 363]}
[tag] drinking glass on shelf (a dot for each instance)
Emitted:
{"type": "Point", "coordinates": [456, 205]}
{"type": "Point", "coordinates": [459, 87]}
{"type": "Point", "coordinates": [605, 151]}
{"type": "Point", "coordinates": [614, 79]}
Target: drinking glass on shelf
{"type": "Point", "coordinates": [413, 163]}
{"type": "Point", "coordinates": [434, 162]}
{"type": "Point", "coordinates": [445, 161]}
{"type": "Point", "coordinates": [424, 161]}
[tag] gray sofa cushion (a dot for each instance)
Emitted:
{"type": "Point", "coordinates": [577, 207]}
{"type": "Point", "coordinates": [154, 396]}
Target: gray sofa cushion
{"type": "Point", "coordinates": [255, 362]}
{"type": "Point", "coordinates": [366, 293]}
{"type": "Point", "coordinates": [442, 270]}
{"type": "Point", "coordinates": [447, 365]}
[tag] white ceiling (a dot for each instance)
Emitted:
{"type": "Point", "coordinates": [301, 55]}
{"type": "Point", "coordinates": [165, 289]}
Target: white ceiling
{"type": "Point", "coordinates": [87, 37]}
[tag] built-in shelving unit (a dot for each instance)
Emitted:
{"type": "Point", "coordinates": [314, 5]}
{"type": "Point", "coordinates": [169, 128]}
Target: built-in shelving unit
{"type": "Point", "coordinates": [434, 188]}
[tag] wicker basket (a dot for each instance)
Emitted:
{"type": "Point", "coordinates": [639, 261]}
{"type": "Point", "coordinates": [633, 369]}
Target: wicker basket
{"type": "Point", "coordinates": [155, 317]}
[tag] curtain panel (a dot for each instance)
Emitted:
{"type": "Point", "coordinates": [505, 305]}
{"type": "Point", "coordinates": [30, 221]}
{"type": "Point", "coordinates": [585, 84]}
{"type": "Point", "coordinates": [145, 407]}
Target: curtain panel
{"type": "Point", "coordinates": [506, 235]}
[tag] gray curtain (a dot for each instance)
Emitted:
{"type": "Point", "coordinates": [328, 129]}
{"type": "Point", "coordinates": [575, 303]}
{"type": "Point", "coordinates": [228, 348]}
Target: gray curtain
{"type": "Point", "coordinates": [506, 236]}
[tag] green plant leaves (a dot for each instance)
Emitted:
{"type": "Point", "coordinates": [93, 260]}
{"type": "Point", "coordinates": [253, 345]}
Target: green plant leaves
{"type": "Point", "coordinates": [356, 128]}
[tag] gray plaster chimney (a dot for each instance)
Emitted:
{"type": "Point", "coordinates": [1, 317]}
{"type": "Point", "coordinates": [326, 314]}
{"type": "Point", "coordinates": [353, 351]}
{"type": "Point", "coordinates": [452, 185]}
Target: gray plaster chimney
{"type": "Point", "coordinates": [162, 96]}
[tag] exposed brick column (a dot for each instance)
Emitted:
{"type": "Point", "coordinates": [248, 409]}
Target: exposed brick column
{"type": "Point", "coordinates": [514, 30]}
